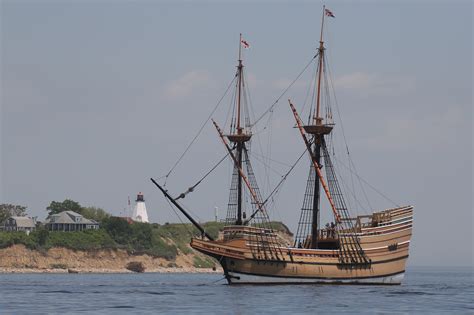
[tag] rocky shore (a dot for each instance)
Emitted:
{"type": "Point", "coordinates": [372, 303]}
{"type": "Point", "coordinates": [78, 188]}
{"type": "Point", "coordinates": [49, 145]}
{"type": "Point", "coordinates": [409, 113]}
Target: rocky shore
{"type": "Point", "coordinates": [19, 259]}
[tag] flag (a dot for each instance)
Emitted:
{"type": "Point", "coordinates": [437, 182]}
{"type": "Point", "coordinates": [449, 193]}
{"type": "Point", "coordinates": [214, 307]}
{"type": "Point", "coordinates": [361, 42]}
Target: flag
{"type": "Point", "coordinates": [329, 13]}
{"type": "Point", "coordinates": [245, 44]}
{"type": "Point", "coordinates": [129, 200]}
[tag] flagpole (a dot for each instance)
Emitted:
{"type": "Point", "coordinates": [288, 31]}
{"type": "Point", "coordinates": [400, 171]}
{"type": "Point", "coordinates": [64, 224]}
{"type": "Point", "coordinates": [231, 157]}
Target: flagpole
{"type": "Point", "coordinates": [318, 119]}
{"type": "Point", "coordinates": [240, 47]}
{"type": "Point", "coordinates": [322, 23]}
{"type": "Point", "coordinates": [239, 129]}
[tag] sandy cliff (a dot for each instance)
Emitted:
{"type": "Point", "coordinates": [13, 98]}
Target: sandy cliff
{"type": "Point", "coordinates": [18, 258]}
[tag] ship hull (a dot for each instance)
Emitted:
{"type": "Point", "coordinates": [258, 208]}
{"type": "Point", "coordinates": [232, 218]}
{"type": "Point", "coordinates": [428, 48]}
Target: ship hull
{"type": "Point", "coordinates": [314, 270]}
{"type": "Point", "coordinates": [386, 245]}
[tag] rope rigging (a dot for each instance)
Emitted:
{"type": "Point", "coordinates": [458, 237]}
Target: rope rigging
{"type": "Point", "coordinates": [271, 107]}
{"type": "Point", "coordinates": [191, 189]}
{"type": "Point", "coordinates": [200, 130]}
{"type": "Point", "coordinates": [284, 177]}
{"type": "Point", "coordinates": [367, 183]}
{"type": "Point", "coordinates": [351, 162]}
{"type": "Point", "coordinates": [269, 110]}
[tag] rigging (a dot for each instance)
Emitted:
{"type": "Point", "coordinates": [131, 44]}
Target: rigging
{"type": "Point", "coordinates": [191, 189]}
{"type": "Point", "coordinates": [199, 131]}
{"type": "Point", "coordinates": [272, 106]}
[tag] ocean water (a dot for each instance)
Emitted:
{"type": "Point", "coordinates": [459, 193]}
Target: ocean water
{"type": "Point", "coordinates": [426, 290]}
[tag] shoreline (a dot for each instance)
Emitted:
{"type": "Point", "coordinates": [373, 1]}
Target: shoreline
{"type": "Point", "coordinates": [19, 259]}
{"type": "Point", "coordinates": [8, 270]}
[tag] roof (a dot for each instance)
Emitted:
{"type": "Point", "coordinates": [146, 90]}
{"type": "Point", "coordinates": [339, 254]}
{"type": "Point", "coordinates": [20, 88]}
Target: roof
{"type": "Point", "coordinates": [68, 217]}
{"type": "Point", "coordinates": [23, 222]}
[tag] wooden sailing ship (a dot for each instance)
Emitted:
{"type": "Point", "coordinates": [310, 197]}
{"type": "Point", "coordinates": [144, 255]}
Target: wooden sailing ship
{"type": "Point", "coordinates": [369, 249]}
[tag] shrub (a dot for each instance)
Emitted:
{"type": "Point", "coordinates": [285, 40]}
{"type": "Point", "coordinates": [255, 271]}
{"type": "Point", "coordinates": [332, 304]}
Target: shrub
{"type": "Point", "coordinates": [161, 249]}
{"type": "Point", "coordinates": [8, 239]}
{"type": "Point", "coordinates": [42, 236]}
{"type": "Point", "coordinates": [84, 240]}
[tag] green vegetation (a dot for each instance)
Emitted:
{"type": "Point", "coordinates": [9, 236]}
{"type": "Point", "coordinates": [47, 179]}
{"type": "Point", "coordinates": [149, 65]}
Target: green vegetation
{"type": "Point", "coordinates": [85, 240]}
{"type": "Point", "coordinates": [8, 239]}
{"type": "Point", "coordinates": [43, 239]}
{"type": "Point", "coordinates": [139, 238]}
{"type": "Point", "coordinates": [94, 213]}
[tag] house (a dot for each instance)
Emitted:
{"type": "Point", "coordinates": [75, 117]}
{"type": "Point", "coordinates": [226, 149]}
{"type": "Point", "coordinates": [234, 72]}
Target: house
{"type": "Point", "coordinates": [14, 223]}
{"type": "Point", "coordinates": [68, 221]}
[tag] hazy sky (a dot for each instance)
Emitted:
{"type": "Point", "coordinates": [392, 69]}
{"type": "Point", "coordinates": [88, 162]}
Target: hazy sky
{"type": "Point", "coordinates": [99, 96]}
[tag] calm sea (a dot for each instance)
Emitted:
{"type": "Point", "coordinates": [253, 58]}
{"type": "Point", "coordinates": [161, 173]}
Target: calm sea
{"type": "Point", "coordinates": [426, 290]}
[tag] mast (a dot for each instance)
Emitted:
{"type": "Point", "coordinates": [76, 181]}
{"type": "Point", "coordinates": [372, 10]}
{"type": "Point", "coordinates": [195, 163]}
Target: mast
{"type": "Point", "coordinates": [253, 193]}
{"type": "Point", "coordinates": [316, 166]}
{"type": "Point", "coordinates": [317, 129]}
{"type": "Point", "coordinates": [317, 143]}
{"type": "Point", "coordinates": [316, 194]}
{"type": "Point", "coordinates": [238, 137]}
{"type": "Point", "coordinates": [239, 131]}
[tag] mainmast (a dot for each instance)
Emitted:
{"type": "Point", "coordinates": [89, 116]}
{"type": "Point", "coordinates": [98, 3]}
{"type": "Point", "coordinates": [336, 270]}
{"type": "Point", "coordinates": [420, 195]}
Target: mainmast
{"type": "Point", "coordinates": [317, 129]}
{"type": "Point", "coordinates": [239, 137]}
{"type": "Point", "coordinates": [344, 237]}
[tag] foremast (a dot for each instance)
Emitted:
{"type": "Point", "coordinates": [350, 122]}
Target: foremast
{"type": "Point", "coordinates": [238, 137]}
{"type": "Point", "coordinates": [244, 188]}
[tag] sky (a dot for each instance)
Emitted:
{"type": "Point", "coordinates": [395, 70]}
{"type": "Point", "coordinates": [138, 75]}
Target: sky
{"type": "Point", "coordinates": [99, 96]}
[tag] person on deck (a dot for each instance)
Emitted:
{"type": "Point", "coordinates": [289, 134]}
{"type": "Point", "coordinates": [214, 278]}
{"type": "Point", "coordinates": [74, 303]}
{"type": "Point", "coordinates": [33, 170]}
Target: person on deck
{"type": "Point", "coordinates": [333, 230]}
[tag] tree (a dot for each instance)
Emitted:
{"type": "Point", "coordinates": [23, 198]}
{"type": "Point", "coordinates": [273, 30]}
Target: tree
{"type": "Point", "coordinates": [94, 213]}
{"type": "Point", "coordinates": [8, 210]}
{"type": "Point", "coordinates": [66, 205]}
{"type": "Point", "coordinates": [118, 228]}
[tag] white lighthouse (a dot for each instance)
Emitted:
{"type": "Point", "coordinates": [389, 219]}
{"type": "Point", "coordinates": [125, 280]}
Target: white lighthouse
{"type": "Point", "coordinates": [139, 212]}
